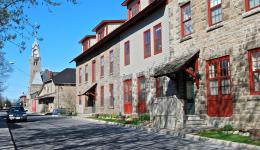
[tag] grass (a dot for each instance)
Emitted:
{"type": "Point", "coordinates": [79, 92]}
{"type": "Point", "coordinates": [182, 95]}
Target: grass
{"type": "Point", "coordinates": [134, 122]}
{"type": "Point", "coordinates": [229, 137]}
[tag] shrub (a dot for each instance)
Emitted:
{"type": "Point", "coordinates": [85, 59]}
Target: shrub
{"type": "Point", "coordinates": [144, 117]}
{"type": "Point", "coordinates": [228, 127]}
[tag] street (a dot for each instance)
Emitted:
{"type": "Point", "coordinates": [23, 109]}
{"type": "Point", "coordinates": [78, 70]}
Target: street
{"type": "Point", "coordinates": [46, 132]}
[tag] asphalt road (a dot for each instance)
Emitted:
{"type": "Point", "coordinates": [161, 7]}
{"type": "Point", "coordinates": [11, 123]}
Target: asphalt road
{"type": "Point", "coordinates": [47, 133]}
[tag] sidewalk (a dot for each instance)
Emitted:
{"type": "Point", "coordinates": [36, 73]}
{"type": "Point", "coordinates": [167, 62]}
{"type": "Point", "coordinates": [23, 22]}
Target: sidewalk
{"type": "Point", "coordinates": [180, 134]}
{"type": "Point", "coordinates": [5, 137]}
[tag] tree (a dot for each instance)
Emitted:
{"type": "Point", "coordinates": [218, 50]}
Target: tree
{"type": "Point", "coordinates": [5, 69]}
{"type": "Point", "coordinates": [15, 24]}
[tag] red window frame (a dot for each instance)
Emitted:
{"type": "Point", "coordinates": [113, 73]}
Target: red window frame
{"type": "Point", "coordinates": [247, 6]}
{"type": "Point", "coordinates": [140, 90]}
{"type": "Point", "coordinates": [93, 71]}
{"type": "Point", "coordinates": [80, 75]}
{"type": "Point", "coordinates": [219, 104]}
{"type": "Point", "coordinates": [101, 33]}
{"type": "Point", "coordinates": [251, 72]}
{"type": "Point", "coordinates": [111, 62]}
{"type": "Point", "coordinates": [183, 33]}
{"type": "Point", "coordinates": [102, 96]}
{"type": "Point", "coordinates": [111, 98]}
{"type": "Point", "coordinates": [210, 11]}
{"type": "Point", "coordinates": [127, 55]}
{"type": "Point", "coordinates": [102, 66]}
{"type": "Point", "coordinates": [135, 4]}
{"type": "Point", "coordinates": [86, 45]}
{"type": "Point", "coordinates": [147, 44]}
{"type": "Point", "coordinates": [157, 88]}
{"type": "Point", "coordinates": [86, 73]}
{"type": "Point", "coordinates": [127, 96]}
{"type": "Point", "coordinates": [157, 38]}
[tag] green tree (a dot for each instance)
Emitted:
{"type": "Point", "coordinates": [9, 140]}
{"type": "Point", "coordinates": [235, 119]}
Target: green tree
{"type": "Point", "coordinates": [15, 24]}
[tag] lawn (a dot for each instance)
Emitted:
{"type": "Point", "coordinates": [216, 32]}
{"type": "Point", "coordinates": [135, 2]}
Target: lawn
{"type": "Point", "coordinates": [134, 122]}
{"type": "Point", "coordinates": [228, 137]}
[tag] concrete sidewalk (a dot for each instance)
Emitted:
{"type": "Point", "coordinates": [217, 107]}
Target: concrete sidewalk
{"type": "Point", "coordinates": [5, 137]}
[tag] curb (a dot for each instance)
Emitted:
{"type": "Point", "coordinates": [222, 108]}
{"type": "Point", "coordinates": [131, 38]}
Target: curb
{"type": "Point", "coordinates": [177, 134]}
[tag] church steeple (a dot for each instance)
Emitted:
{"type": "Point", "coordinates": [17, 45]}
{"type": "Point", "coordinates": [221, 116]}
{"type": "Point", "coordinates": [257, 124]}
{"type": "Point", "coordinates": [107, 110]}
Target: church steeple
{"type": "Point", "coordinates": [35, 61]}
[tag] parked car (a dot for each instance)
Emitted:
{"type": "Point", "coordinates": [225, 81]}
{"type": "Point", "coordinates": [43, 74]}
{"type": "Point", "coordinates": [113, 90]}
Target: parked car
{"type": "Point", "coordinates": [16, 113]}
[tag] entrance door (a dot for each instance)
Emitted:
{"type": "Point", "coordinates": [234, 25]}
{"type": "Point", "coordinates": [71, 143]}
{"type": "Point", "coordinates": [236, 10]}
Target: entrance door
{"type": "Point", "coordinates": [219, 100]}
{"type": "Point", "coordinates": [141, 107]}
{"type": "Point", "coordinates": [128, 96]}
{"type": "Point", "coordinates": [190, 96]}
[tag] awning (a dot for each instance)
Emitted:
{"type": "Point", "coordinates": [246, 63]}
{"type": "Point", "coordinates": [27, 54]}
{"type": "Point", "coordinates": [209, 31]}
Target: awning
{"type": "Point", "coordinates": [92, 87]}
{"type": "Point", "coordinates": [175, 65]}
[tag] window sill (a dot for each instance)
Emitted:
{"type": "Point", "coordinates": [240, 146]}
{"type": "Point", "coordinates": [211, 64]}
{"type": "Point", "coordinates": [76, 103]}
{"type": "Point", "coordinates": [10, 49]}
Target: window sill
{"type": "Point", "coordinates": [186, 38]}
{"type": "Point", "coordinates": [214, 27]}
{"type": "Point", "coordinates": [251, 12]}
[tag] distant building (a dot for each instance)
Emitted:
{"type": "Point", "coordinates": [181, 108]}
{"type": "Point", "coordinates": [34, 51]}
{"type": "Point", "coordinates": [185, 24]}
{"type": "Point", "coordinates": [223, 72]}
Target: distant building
{"type": "Point", "coordinates": [58, 92]}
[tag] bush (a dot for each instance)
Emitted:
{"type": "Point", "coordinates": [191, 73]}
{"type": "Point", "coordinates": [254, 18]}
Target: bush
{"type": "Point", "coordinates": [144, 117]}
{"type": "Point", "coordinates": [228, 127]}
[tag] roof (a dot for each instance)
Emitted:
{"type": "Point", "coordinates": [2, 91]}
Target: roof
{"type": "Point", "coordinates": [104, 22]}
{"type": "Point", "coordinates": [142, 14]}
{"type": "Point", "coordinates": [126, 2]}
{"type": "Point", "coordinates": [175, 65]}
{"type": "Point", "coordinates": [37, 79]}
{"type": "Point", "coordinates": [86, 38]}
{"type": "Point", "coordinates": [92, 87]}
{"type": "Point", "coordinates": [67, 76]}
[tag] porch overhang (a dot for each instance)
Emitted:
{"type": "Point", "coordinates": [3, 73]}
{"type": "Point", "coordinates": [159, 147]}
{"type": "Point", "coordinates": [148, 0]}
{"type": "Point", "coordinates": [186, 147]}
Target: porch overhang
{"type": "Point", "coordinates": [88, 90]}
{"type": "Point", "coordinates": [176, 65]}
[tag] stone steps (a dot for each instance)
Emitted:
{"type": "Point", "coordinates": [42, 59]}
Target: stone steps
{"type": "Point", "coordinates": [194, 121]}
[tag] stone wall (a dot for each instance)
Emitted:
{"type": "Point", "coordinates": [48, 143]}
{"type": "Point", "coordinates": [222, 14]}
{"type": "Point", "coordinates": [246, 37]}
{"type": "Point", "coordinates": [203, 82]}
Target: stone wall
{"type": "Point", "coordinates": [238, 33]}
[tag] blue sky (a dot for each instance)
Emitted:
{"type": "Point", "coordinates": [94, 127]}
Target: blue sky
{"type": "Point", "coordinates": [61, 31]}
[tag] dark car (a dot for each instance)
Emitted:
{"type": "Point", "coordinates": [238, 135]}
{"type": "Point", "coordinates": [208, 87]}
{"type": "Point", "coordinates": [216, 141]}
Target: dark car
{"type": "Point", "coordinates": [16, 113]}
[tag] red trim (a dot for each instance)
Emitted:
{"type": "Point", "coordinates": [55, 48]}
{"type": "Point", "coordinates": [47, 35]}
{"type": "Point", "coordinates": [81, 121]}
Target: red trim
{"type": "Point", "coordinates": [157, 51]}
{"type": "Point", "coordinates": [251, 81]}
{"type": "Point", "coordinates": [87, 37]}
{"type": "Point", "coordinates": [183, 34]}
{"type": "Point", "coordinates": [134, 4]}
{"type": "Point", "coordinates": [209, 12]}
{"type": "Point", "coordinates": [247, 6]}
{"type": "Point", "coordinates": [141, 102]}
{"type": "Point", "coordinates": [127, 44]}
{"type": "Point", "coordinates": [128, 96]}
{"type": "Point", "coordinates": [146, 55]}
{"type": "Point", "coordinates": [104, 22]}
{"type": "Point", "coordinates": [93, 71]}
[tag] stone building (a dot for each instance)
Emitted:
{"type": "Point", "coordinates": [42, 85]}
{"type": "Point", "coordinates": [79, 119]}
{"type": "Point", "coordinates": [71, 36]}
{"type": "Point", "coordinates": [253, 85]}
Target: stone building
{"type": "Point", "coordinates": [58, 92]}
{"type": "Point", "coordinates": [98, 71]}
{"type": "Point", "coordinates": [214, 61]}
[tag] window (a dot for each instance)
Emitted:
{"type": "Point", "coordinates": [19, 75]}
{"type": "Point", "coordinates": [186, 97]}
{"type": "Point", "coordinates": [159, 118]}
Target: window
{"type": "Point", "coordinates": [86, 45]}
{"type": "Point", "coordinates": [134, 9]}
{"type": "Point", "coordinates": [102, 64]}
{"type": "Point", "coordinates": [86, 101]}
{"type": "Point", "coordinates": [147, 43]}
{"type": "Point", "coordinates": [111, 97]}
{"type": "Point", "coordinates": [251, 4]}
{"type": "Point", "coordinates": [218, 79]}
{"type": "Point", "coordinates": [186, 27]}
{"type": "Point", "coordinates": [102, 96]}
{"type": "Point", "coordinates": [157, 39]}
{"type": "Point", "coordinates": [128, 96]}
{"type": "Point", "coordinates": [86, 73]}
{"type": "Point", "coordinates": [93, 71]}
{"type": "Point", "coordinates": [80, 75]}
{"type": "Point", "coordinates": [215, 11]}
{"type": "Point", "coordinates": [254, 71]}
{"type": "Point", "coordinates": [159, 87]}
{"type": "Point", "coordinates": [101, 34]}
{"type": "Point", "coordinates": [111, 62]}
{"type": "Point", "coordinates": [127, 53]}
{"type": "Point", "coordinates": [141, 89]}
{"type": "Point", "coordinates": [80, 100]}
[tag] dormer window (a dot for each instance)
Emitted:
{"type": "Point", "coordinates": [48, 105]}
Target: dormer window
{"type": "Point", "coordinates": [86, 45]}
{"type": "Point", "coordinates": [134, 9]}
{"type": "Point", "coordinates": [101, 34]}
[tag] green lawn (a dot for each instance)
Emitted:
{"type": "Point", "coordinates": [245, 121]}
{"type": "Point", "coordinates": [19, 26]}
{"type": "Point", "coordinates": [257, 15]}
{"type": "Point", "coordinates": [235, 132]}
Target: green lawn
{"type": "Point", "coordinates": [134, 122]}
{"type": "Point", "coordinates": [229, 137]}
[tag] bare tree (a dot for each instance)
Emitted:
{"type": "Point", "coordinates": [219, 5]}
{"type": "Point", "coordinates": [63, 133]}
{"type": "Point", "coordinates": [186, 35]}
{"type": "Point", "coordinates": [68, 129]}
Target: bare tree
{"type": "Point", "coordinates": [5, 69]}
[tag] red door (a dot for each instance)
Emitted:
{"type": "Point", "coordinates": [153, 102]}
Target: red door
{"type": "Point", "coordinates": [128, 96]}
{"type": "Point", "coordinates": [34, 105]}
{"type": "Point", "coordinates": [219, 99]}
{"type": "Point", "coordinates": [141, 107]}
